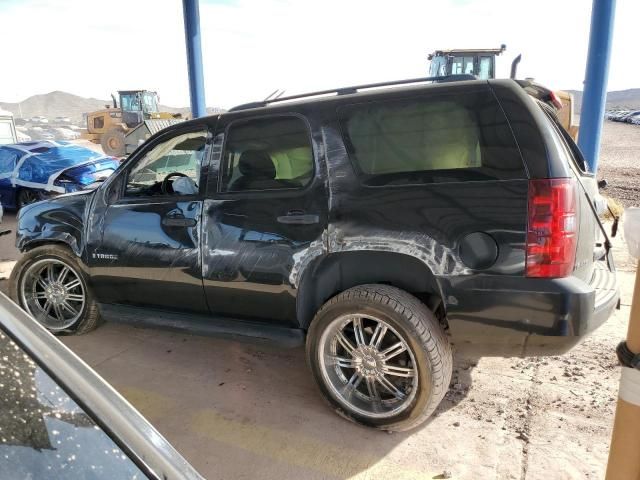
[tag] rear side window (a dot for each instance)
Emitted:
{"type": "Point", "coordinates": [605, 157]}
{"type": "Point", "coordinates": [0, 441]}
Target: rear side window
{"type": "Point", "coordinates": [268, 153]}
{"type": "Point", "coordinates": [434, 139]}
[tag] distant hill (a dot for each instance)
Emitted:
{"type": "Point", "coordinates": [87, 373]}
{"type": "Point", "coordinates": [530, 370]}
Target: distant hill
{"type": "Point", "coordinates": [626, 99]}
{"type": "Point", "coordinates": [63, 104]}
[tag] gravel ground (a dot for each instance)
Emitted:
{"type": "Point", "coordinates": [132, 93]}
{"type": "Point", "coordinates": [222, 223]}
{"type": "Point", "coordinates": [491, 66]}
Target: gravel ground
{"type": "Point", "coordinates": [620, 162]}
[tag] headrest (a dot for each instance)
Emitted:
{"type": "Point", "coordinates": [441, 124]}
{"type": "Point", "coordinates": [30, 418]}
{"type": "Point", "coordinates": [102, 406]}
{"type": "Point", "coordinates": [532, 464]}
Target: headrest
{"type": "Point", "coordinates": [256, 164]}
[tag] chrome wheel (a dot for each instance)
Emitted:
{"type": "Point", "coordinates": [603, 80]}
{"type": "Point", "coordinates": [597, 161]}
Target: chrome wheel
{"type": "Point", "coordinates": [53, 293]}
{"type": "Point", "coordinates": [368, 366]}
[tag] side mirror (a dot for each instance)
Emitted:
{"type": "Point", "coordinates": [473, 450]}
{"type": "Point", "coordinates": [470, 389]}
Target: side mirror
{"type": "Point", "coordinates": [602, 184]}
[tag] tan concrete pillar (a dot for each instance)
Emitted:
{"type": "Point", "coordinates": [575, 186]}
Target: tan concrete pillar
{"type": "Point", "coordinates": [624, 455]}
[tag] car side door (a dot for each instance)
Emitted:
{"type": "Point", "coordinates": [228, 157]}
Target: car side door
{"type": "Point", "coordinates": [145, 227]}
{"type": "Point", "coordinates": [264, 216]}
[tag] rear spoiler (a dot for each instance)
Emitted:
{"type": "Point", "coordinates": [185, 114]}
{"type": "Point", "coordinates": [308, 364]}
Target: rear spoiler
{"type": "Point", "coordinates": [537, 91]}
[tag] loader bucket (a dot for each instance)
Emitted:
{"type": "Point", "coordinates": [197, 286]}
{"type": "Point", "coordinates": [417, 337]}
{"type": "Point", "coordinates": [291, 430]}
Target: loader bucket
{"type": "Point", "coordinates": [138, 135]}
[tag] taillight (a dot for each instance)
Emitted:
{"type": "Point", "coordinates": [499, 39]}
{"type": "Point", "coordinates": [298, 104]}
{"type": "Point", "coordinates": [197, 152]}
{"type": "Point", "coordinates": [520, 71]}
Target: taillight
{"type": "Point", "coordinates": [555, 99]}
{"type": "Point", "coordinates": [552, 229]}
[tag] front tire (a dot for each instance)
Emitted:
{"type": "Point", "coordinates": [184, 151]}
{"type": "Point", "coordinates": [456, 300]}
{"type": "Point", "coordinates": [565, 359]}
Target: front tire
{"type": "Point", "coordinates": [113, 142]}
{"type": "Point", "coordinates": [49, 284]}
{"type": "Point", "coordinates": [380, 357]}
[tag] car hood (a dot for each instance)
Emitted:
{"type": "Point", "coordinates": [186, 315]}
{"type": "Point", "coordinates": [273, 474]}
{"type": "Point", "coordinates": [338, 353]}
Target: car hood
{"type": "Point", "coordinates": [51, 166]}
{"type": "Point", "coordinates": [91, 171]}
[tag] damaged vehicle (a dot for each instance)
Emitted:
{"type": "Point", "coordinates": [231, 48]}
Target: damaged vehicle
{"type": "Point", "coordinates": [384, 227]}
{"type": "Point", "coordinates": [33, 171]}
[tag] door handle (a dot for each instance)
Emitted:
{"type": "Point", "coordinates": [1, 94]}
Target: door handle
{"type": "Point", "coordinates": [178, 221]}
{"type": "Point", "coordinates": [297, 217]}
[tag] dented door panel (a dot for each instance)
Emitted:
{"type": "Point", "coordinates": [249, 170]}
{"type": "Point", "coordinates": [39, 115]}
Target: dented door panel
{"type": "Point", "coordinates": [256, 243]}
{"type": "Point", "coordinates": [150, 256]}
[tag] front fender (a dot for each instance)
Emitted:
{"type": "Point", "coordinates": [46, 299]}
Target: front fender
{"type": "Point", "coordinates": [60, 219]}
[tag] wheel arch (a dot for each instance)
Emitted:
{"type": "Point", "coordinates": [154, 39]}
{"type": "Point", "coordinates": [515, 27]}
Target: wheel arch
{"type": "Point", "coordinates": [21, 188]}
{"type": "Point", "coordinates": [59, 239]}
{"type": "Point", "coordinates": [337, 272]}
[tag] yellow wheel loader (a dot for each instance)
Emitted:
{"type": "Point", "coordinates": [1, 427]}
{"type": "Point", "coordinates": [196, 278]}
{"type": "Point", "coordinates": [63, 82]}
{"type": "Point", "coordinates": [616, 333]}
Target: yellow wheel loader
{"type": "Point", "coordinates": [119, 129]}
{"type": "Point", "coordinates": [481, 62]}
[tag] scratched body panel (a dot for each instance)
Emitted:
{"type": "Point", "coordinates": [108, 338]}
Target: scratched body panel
{"type": "Point", "coordinates": [423, 221]}
{"type": "Point", "coordinates": [60, 219]}
{"type": "Point", "coordinates": [251, 260]}
{"type": "Point", "coordinates": [141, 261]}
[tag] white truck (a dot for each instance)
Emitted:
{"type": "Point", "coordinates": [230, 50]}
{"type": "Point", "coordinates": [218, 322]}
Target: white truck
{"type": "Point", "coordinates": [7, 128]}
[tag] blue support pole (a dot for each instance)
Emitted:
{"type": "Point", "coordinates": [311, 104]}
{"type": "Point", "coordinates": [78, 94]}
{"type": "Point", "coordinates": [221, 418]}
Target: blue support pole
{"type": "Point", "coordinates": [595, 85]}
{"type": "Point", "coordinates": [194, 57]}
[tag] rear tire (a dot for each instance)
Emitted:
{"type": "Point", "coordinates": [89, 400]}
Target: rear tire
{"type": "Point", "coordinates": [380, 357]}
{"type": "Point", "coordinates": [112, 142]}
{"type": "Point", "coordinates": [48, 283]}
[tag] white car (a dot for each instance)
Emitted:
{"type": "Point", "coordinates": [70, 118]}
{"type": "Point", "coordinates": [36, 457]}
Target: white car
{"type": "Point", "coordinates": [22, 137]}
{"type": "Point", "coordinates": [65, 134]}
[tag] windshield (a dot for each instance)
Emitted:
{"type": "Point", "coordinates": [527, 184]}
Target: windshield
{"type": "Point", "coordinates": [150, 102]}
{"type": "Point", "coordinates": [130, 102]}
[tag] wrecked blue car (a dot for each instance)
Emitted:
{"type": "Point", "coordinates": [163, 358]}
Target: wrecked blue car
{"type": "Point", "coordinates": [33, 171]}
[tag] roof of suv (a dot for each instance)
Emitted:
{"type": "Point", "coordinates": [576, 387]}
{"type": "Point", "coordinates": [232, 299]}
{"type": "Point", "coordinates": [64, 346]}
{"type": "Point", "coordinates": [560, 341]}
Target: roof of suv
{"type": "Point", "coordinates": [356, 90]}
{"type": "Point", "coordinates": [391, 90]}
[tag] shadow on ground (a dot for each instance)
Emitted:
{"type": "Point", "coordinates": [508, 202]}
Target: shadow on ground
{"type": "Point", "coordinates": [233, 407]}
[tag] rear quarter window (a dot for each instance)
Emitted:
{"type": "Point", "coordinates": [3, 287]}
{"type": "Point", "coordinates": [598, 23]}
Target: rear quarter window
{"type": "Point", "coordinates": [431, 139]}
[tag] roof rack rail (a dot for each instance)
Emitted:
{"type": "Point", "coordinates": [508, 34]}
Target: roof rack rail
{"type": "Point", "coordinates": [354, 89]}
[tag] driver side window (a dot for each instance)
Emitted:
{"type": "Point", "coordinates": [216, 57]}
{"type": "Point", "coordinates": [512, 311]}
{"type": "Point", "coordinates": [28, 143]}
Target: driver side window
{"type": "Point", "coordinates": [169, 168]}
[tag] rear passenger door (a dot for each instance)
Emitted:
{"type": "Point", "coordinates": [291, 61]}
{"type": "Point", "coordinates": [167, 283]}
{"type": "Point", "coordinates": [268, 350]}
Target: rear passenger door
{"type": "Point", "coordinates": [264, 215]}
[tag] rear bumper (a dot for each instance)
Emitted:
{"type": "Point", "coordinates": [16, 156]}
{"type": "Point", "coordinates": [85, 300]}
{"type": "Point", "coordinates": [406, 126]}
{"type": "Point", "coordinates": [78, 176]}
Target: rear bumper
{"type": "Point", "coordinates": [518, 316]}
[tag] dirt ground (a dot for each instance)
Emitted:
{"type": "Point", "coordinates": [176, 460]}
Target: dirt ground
{"type": "Point", "coordinates": [243, 410]}
{"type": "Point", "coordinates": [619, 165]}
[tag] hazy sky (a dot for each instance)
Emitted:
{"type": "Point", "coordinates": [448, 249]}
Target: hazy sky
{"type": "Point", "coordinates": [251, 47]}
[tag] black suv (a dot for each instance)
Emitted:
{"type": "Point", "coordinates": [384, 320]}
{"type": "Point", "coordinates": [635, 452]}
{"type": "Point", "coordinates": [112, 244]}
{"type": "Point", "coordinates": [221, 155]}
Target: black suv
{"type": "Point", "coordinates": [384, 225]}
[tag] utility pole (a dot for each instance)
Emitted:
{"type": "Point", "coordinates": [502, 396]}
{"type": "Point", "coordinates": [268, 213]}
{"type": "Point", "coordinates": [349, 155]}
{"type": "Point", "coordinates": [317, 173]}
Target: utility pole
{"type": "Point", "coordinates": [595, 83]}
{"type": "Point", "coordinates": [191, 13]}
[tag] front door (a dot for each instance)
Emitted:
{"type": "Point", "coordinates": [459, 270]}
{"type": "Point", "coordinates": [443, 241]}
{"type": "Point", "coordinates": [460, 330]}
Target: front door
{"type": "Point", "coordinates": [148, 253]}
{"type": "Point", "coordinates": [263, 219]}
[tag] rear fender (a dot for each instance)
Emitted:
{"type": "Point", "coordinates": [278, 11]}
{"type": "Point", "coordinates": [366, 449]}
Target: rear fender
{"type": "Point", "coordinates": [328, 275]}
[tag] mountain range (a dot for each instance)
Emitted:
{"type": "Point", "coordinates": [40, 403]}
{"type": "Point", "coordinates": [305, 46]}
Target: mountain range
{"type": "Point", "coordinates": [623, 99]}
{"type": "Point", "coordinates": [63, 104]}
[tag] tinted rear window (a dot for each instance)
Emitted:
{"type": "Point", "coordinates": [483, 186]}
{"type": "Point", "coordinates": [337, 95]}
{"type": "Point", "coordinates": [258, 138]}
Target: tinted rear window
{"type": "Point", "coordinates": [428, 139]}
